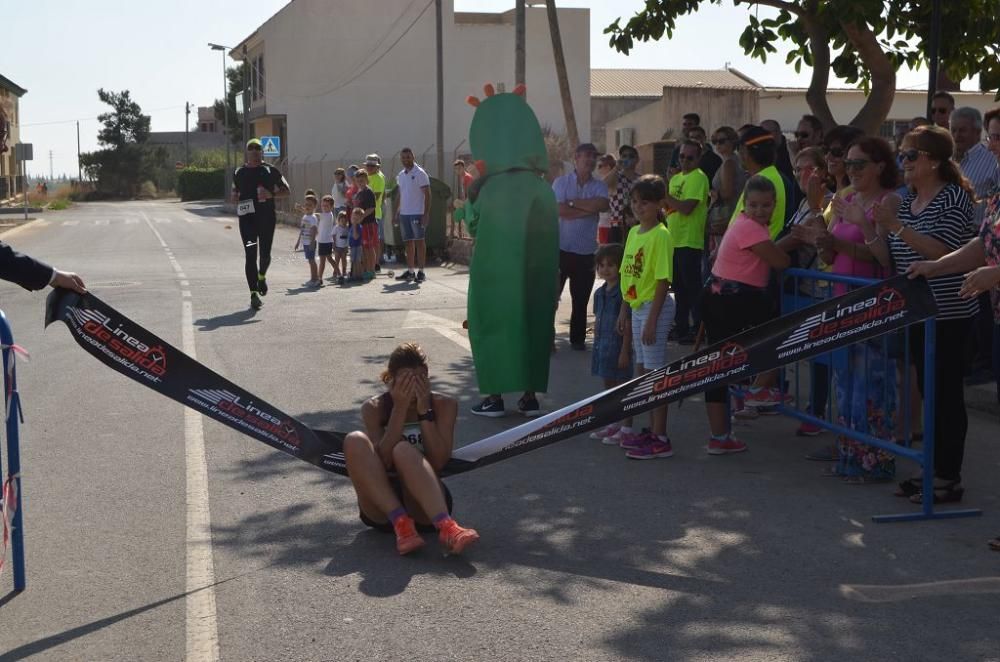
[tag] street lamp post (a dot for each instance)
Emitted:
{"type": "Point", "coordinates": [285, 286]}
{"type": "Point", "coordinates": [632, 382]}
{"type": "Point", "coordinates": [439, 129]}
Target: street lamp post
{"type": "Point", "coordinates": [225, 112]}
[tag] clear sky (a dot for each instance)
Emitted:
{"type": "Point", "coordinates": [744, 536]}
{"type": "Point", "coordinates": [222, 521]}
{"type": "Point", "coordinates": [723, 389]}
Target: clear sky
{"type": "Point", "coordinates": [157, 49]}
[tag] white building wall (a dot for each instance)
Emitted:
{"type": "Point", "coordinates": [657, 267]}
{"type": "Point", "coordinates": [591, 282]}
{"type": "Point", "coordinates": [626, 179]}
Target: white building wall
{"type": "Point", "coordinates": [788, 106]}
{"type": "Point", "coordinates": [310, 52]}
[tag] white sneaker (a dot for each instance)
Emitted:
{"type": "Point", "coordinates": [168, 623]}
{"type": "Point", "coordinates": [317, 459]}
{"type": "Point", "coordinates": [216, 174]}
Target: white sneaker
{"type": "Point", "coordinates": [606, 431]}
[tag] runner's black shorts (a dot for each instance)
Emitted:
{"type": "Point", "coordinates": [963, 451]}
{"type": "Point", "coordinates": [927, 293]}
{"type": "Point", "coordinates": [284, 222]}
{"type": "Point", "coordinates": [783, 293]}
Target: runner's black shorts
{"type": "Point", "coordinates": [397, 487]}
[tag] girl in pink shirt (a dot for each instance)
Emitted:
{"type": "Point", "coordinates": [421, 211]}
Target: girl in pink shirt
{"type": "Point", "coordinates": [735, 297]}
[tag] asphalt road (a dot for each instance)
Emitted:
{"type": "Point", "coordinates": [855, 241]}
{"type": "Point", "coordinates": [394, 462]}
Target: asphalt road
{"type": "Point", "coordinates": [584, 555]}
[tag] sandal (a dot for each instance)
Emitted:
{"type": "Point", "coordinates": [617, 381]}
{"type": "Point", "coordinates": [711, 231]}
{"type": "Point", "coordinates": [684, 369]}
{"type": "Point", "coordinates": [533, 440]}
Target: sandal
{"type": "Point", "coordinates": [947, 493]}
{"type": "Point", "coordinates": [866, 480]}
{"type": "Point", "coordinates": [909, 487]}
{"type": "Point", "coordinates": [994, 544]}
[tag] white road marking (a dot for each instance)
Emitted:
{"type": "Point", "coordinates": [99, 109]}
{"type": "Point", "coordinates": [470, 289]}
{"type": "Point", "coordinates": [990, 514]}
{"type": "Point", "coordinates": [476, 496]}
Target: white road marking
{"type": "Point", "coordinates": [202, 629]}
{"type": "Point", "coordinates": [192, 219]}
{"type": "Point", "coordinates": [67, 224]}
{"type": "Point", "coordinates": [163, 220]}
{"type": "Point", "coordinates": [451, 330]}
{"type": "Point", "coordinates": [102, 221]}
{"type": "Point", "coordinates": [131, 221]}
{"type": "Point", "coordinates": [42, 223]}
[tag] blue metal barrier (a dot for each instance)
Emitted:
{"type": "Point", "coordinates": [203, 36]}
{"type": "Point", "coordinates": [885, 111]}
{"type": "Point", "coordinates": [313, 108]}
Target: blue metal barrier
{"type": "Point", "coordinates": [13, 452]}
{"type": "Point", "coordinates": [821, 288]}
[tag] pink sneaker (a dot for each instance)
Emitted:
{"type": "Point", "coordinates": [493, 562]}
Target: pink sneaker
{"type": "Point", "coordinates": [632, 441]}
{"type": "Point", "coordinates": [616, 438]}
{"type": "Point", "coordinates": [605, 432]}
{"type": "Point", "coordinates": [809, 430]}
{"type": "Point", "coordinates": [763, 397]}
{"type": "Point", "coordinates": [729, 445]}
{"type": "Point", "coordinates": [652, 449]}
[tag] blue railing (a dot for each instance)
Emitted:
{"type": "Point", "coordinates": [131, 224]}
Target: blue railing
{"type": "Point", "coordinates": [13, 474]}
{"type": "Point", "coordinates": [820, 287]}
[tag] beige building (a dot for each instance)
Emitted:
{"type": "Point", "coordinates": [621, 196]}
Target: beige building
{"type": "Point", "coordinates": [10, 135]}
{"type": "Point", "coordinates": [642, 106]}
{"type": "Point", "coordinates": [787, 105]}
{"type": "Point", "coordinates": [336, 81]}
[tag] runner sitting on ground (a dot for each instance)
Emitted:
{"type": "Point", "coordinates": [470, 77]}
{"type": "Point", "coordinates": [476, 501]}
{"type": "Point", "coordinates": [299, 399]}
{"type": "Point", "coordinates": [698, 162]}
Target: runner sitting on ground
{"type": "Point", "coordinates": [255, 186]}
{"type": "Point", "coordinates": [409, 431]}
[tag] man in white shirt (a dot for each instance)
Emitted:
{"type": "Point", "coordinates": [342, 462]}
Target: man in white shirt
{"type": "Point", "coordinates": [413, 213]}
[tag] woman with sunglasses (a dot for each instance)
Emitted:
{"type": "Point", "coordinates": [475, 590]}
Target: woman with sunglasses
{"type": "Point", "coordinates": [932, 221]}
{"type": "Point", "coordinates": [979, 260]}
{"type": "Point", "coordinates": [727, 183]}
{"type": "Point", "coordinates": [864, 394]}
{"type": "Point", "coordinates": [835, 144]}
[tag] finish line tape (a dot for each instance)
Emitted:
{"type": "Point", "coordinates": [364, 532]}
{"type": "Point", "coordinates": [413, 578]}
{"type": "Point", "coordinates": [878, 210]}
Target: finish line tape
{"type": "Point", "coordinates": [128, 348]}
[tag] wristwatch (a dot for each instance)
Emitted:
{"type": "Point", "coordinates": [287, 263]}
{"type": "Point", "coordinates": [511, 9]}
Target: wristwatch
{"type": "Point", "coordinates": [896, 233]}
{"type": "Point", "coordinates": [427, 416]}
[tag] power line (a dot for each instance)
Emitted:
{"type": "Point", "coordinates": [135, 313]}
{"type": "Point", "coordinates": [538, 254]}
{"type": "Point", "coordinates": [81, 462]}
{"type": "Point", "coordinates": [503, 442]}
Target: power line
{"type": "Point", "coordinates": [89, 119]}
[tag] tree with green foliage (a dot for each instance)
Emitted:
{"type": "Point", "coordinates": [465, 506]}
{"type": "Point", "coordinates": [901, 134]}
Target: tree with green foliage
{"type": "Point", "coordinates": [125, 161]}
{"type": "Point", "coordinates": [235, 79]}
{"type": "Point", "coordinates": [862, 41]}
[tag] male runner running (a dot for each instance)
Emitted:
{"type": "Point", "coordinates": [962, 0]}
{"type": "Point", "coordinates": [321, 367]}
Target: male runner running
{"type": "Point", "coordinates": [255, 186]}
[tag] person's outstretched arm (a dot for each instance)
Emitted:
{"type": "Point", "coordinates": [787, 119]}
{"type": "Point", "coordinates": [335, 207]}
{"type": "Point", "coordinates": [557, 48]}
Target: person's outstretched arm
{"type": "Point", "coordinates": [31, 274]}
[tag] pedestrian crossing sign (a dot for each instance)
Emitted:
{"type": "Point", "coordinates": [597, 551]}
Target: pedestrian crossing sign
{"type": "Point", "coordinates": [271, 145]}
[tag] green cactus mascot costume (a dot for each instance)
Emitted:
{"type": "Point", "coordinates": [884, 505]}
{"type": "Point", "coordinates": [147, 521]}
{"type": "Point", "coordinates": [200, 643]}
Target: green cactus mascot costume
{"type": "Point", "coordinates": [513, 277]}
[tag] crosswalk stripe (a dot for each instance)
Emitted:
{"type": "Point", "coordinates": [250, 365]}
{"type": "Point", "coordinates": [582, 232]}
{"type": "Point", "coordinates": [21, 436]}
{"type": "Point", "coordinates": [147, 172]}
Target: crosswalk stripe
{"type": "Point", "coordinates": [162, 220]}
{"type": "Point", "coordinates": [69, 223]}
{"type": "Point", "coordinates": [193, 220]}
{"type": "Point", "coordinates": [41, 224]}
{"type": "Point", "coordinates": [102, 221]}
{"type": "Point", "coordinates": [131, 221]}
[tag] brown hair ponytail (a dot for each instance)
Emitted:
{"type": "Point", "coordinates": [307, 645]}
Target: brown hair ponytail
{"type": "Point", "coordinates": [939, 145]}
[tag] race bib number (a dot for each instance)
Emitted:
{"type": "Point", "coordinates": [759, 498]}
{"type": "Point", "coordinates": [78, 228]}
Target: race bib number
{"type": "Point", "coordinates": [244, 207]}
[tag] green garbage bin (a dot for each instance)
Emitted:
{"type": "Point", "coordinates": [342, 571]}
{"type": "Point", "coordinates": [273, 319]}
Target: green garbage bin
{"type": "Point", "coordinates": [437, 228]}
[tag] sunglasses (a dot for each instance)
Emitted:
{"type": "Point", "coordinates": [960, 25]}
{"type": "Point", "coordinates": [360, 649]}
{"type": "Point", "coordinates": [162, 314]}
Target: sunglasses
{"type": "Point", "coordinates": [687, 158]}
{"type": "Point", "coordinates": [856, 164]}
{"type": "Point", "coordinates": [802, 134]}
{"type": "Point", "coordinates": [940, 111]}
{"type": "Point", "coordinates": [912, 154]}
{"type": "Point", "coordinates": [254, 148]}
{"type": "Point", "coordinates": [719, 141]}
{"type": "Point", "coordinates": [807, 168]}
{"type": "Point", "coordinates": [836, 152]}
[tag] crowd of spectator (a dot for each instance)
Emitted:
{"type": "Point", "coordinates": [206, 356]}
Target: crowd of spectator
{"type": "Point", "coordinates": [739, 208]}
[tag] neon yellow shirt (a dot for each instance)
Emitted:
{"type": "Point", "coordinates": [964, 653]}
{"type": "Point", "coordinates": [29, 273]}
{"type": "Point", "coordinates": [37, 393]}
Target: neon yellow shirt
{"type": "Point", "coordinates": [376, 183]}
{"type": "Point", "coordinates": [649, 257]}
{"type": "Point", "coordinates": [688, 230]}
{"type": "Point", "coordinates": [778, 215]}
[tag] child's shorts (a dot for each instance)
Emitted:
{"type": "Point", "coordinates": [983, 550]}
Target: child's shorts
{"type": "Point", "coordinates": [339, 251]}
{"type": "Point", "coordinates": [369, 234]}
{"type": "Point", "coordinates": [652, 356]}
{"type": "Point", "coordinates": [325, 249]}
{"type": "Point", "coordinates": [310, 251]}
{"type": "Point", "coordinates": [604, 358]}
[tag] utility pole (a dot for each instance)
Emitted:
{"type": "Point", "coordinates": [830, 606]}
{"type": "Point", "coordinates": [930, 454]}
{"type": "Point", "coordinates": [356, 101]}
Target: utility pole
{"type": "Point", "coordinates": [246, 96]}
{"type": "Point", "coordinates": [518, 43]}
{"type": "Point", "coordinates": [440, 89]}
{"type": "Point", "coordinates": [79, 162]}
{"type": "Point", "coordinates": [934, 56]}
{"type": "Point", "coordinates": [51, 176]}
{"type": "Point", "coordinates": [187, 140]}
{"type": "Point", "coordinates": [557, 53]}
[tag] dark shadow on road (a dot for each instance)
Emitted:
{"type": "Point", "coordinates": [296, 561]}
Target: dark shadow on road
{"type": "Point", "coordinates": [52, 641]}
{"type": "Point", "coordinates": [303, 289]}
{"type": "Point", "coordinates": [239, 318]}
{"type": "Point", "coordinates": [10, 596]}
{"type": "Point", "coordinates": [401, 286]}
{"type": "Point", "coordinates": [207, 208]}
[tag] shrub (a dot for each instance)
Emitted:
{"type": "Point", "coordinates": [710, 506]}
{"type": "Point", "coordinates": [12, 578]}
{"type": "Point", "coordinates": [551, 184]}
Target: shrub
{"type": "Point", "coordinates": [200, 183]}
{"type": "Point", "coordinates": [147, 191]}
{"type": "Point", "coordinates": [59, 204]}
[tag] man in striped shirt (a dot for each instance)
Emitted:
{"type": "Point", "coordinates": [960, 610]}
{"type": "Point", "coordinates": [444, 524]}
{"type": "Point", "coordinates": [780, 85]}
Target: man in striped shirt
{"type": "Point", "coordinates": [977, 163]}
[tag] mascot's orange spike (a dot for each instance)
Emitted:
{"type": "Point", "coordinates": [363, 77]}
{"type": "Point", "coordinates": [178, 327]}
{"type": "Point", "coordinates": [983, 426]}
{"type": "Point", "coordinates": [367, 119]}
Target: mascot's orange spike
{"type": "Point", "coordinates": [481, 167]}
{"type": "Point", "coordinates": [472, 101]}
{"type": "Point", "coordinates": [520, 89]}
{"type": "Point", "coordinates": [489, 89]}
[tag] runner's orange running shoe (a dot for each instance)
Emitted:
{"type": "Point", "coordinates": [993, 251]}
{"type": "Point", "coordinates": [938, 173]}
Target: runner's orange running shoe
{"type": "Point", "coordinates": [454, 538]}
{"type": "Point", "coordinates": [407, 538]}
